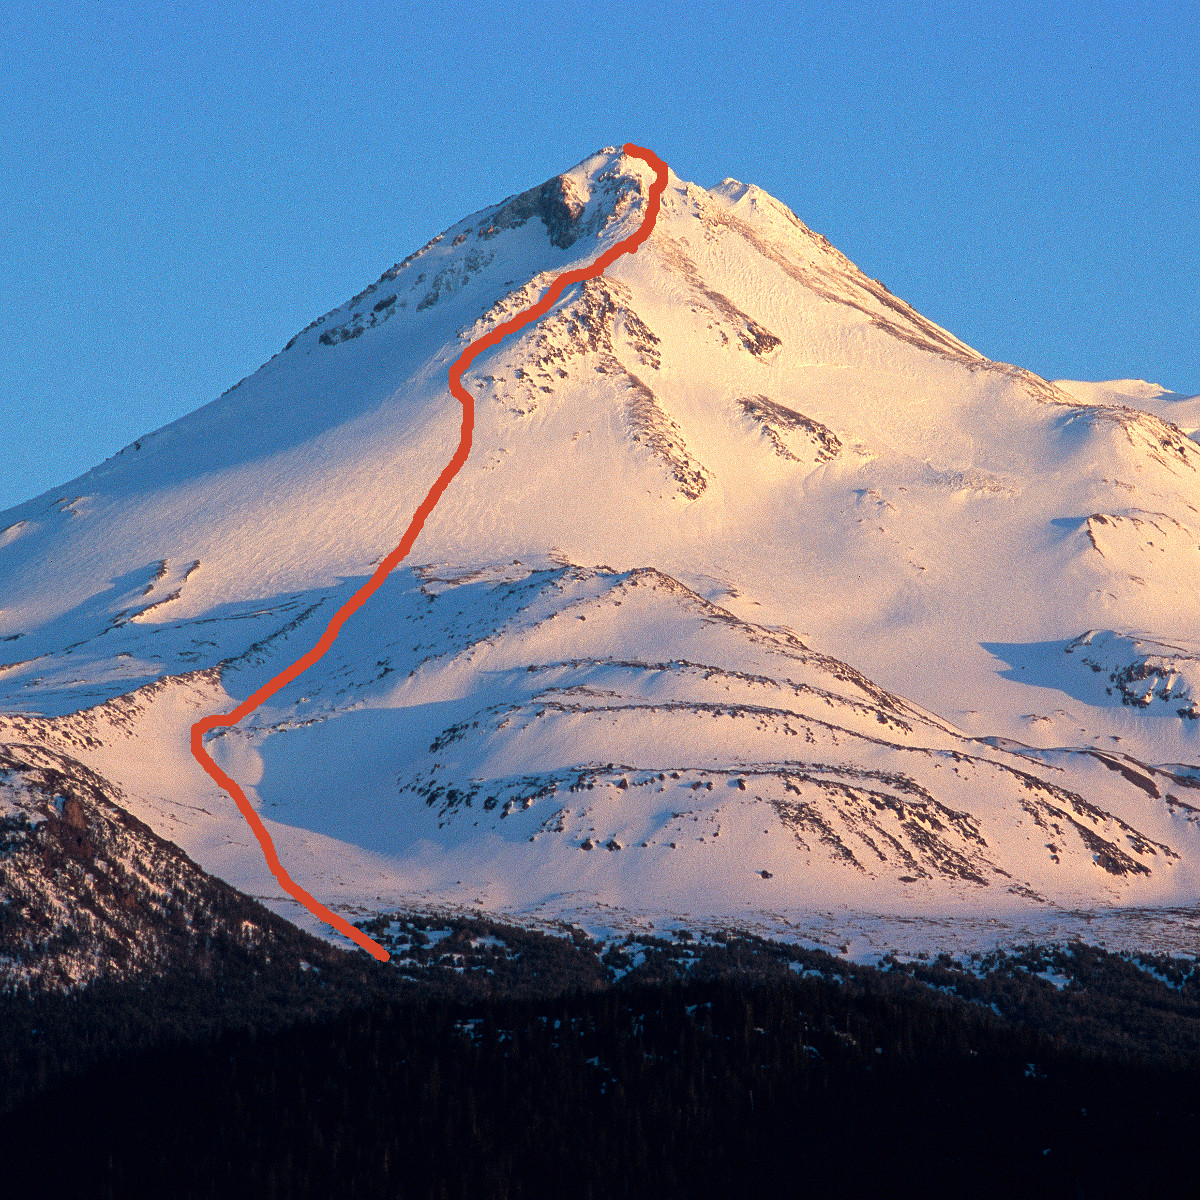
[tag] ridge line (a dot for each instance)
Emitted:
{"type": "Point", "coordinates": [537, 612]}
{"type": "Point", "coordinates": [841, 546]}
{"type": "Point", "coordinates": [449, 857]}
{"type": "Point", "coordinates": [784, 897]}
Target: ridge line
{"type": "Point", "coordinates": [627, 245]}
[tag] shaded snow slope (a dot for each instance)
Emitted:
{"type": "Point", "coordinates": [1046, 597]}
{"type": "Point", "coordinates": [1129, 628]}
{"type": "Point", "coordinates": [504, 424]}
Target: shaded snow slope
{"type": "Point", "coordinates": [699, 487]}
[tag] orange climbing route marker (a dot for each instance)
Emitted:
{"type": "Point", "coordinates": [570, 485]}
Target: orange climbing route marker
{"type": "Point", "coordinates": [224, 720]}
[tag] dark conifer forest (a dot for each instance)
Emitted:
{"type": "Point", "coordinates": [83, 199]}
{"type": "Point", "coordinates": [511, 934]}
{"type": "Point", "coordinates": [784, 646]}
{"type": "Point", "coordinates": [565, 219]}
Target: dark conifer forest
{"type": "Point", "coordinates": [487, 1062]}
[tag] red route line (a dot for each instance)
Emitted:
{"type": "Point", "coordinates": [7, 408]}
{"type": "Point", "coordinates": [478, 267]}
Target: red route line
{"type": "Point", "coordinates": [465, 359]}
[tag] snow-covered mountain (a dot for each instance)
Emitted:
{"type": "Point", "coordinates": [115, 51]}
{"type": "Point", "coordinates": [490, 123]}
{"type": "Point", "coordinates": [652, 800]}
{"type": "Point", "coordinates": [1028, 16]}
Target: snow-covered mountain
{"type": "Point", "coordinates": [760, 596]}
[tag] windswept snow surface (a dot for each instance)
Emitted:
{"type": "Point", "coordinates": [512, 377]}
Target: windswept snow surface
{"type": "Point", "coordinates": [761, 599]}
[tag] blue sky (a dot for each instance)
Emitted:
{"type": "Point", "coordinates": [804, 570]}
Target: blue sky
{"type": "Point", "coordinates": [185, 191]}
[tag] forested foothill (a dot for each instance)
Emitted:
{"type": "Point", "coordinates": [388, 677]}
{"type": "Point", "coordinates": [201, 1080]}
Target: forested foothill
{"type": "Point", "coordinates": [487, 1060]}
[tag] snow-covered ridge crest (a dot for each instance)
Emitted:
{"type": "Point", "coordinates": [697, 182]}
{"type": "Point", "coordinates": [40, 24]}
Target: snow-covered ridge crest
{"type": "Point", "coordinates": [595, 203]}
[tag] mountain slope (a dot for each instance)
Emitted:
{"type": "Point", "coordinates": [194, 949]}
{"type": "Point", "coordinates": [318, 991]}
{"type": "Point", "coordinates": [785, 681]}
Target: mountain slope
{"type": "Point", "coordinates": [88, 892]}
{"type": "Point", "coordinates": [699, 488]}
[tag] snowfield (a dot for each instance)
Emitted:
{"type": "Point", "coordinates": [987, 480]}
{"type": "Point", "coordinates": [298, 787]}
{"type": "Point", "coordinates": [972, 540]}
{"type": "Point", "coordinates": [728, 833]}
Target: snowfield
{"type": "Point", "coordinates": [761, 601]}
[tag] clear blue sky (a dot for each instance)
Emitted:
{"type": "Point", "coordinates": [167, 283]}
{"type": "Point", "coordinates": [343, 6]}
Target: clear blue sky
{"type": "Point", "coordinates": [183, 192]}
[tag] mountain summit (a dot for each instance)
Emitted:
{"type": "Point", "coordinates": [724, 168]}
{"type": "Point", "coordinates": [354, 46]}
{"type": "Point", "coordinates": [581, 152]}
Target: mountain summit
{"type": "Point", "coordinates": [759, 595]}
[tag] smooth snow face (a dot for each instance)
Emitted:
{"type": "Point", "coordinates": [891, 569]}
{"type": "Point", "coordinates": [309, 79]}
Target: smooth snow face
{"type": "Point", "coordinates": [1182, 411]}
{"type": "Point", "coordinates": [735, 417]}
